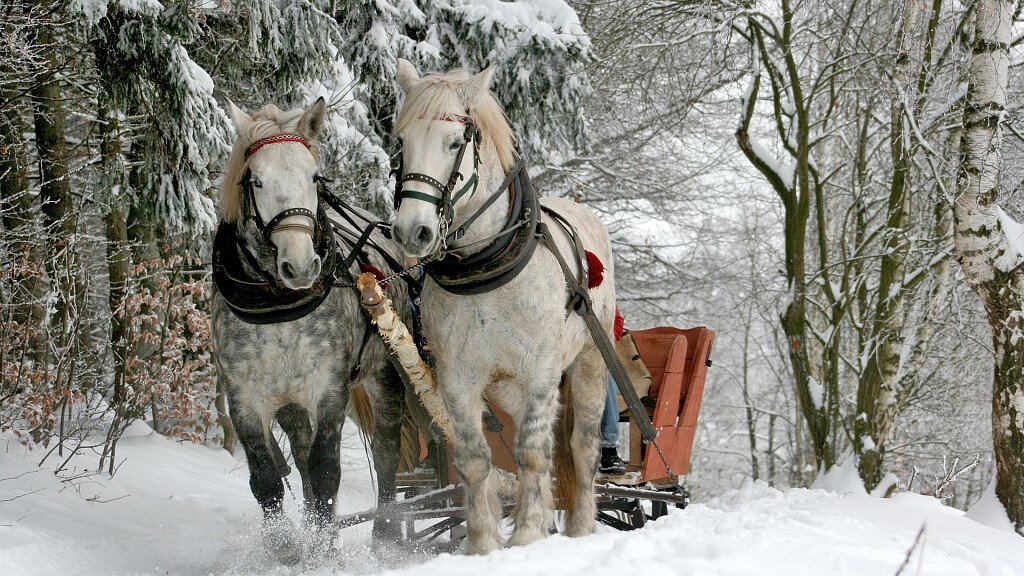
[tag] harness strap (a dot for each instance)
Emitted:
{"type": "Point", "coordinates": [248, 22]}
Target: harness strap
{"type": "Point", "coordinates": [512, 175]}
{"type": "Point", "coordinates": [580, 303]}
{"type": "Point", "coordinates": [367, 332]}
{"type": "Point", "coordinates": [346, 211]}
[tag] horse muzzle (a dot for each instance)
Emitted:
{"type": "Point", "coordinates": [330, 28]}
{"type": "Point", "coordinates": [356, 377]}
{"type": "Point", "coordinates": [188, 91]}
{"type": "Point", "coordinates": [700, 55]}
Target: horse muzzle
{"type": "Point", "coordinates": [415, 239]}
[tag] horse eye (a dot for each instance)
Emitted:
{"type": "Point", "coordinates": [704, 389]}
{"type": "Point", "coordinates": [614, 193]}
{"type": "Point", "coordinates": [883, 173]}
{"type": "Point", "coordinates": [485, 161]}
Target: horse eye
{"type": "Point", "coordinates": [456, 145]}
{"type": "Point", "coordinates": [256, 183]}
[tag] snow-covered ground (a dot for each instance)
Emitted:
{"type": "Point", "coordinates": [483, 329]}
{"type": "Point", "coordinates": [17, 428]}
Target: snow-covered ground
{"type": "Point", "coordinates": [186, 510]}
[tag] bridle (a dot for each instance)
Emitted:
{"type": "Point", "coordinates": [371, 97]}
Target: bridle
{"type": "Point", "coordinates": [275, 224]}
{"type": "Point", "coordinates": [449, 197]}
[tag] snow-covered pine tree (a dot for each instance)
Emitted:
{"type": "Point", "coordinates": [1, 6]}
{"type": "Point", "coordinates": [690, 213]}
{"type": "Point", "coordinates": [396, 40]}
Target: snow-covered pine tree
{"type": "Point", "coordinates": [538, 46]}
{"type": "Point", "coordinates": [148, 73]}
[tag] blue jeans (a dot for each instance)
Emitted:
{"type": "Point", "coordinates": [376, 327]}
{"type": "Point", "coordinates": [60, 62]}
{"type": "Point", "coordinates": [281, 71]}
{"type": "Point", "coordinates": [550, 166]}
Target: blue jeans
{"type": "Point", "coordinates": [610, 417]}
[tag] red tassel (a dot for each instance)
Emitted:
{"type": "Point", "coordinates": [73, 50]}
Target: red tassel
{"type": "Point", "coordinates": [375, 271]}
{"type": "Point", "coordinates": [595, 270]}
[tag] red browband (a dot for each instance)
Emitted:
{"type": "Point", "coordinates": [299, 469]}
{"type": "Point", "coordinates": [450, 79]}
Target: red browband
{"type": "Point", "coordinates": [447, 117]}
{"type": "Point", "coordinates": [286, 137]}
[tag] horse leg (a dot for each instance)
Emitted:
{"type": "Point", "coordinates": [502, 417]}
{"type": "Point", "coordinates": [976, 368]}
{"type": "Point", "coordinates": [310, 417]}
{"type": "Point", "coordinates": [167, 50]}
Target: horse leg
{"type": "Point", "coordinates": [588, 377]}
{"type": "Point", "coordinates": [386, 448]}
{"type": "Point", "coordinates": [325, 466]}
{"type": "Point", "coordinates": [294, 420]}
{"type": "Point", "coordinates": [265, 481]}
{"type": "Point", "coordinates": [534, 512]}
{"type": "Point", "coordinates": [473, 462]}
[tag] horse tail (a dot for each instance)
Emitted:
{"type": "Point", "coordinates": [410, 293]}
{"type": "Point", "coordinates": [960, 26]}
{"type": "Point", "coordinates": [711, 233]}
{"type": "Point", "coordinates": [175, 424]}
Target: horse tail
{"type": "Point", "coordinates": [362, 411]}
{"type": "Point", "coordinates": [564, 467]}
{"type": "Point", "coordinates": [410, 445]}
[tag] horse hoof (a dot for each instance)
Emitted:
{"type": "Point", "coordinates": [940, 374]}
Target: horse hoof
{"type": "Point", "coordinates": [386, 530]}
{"type": "Point", "coordinates": [481, 546]}
{"type": "Point", "coordinates": [280, 541]}
{"type": "Point", "coordinates": [524, 537]}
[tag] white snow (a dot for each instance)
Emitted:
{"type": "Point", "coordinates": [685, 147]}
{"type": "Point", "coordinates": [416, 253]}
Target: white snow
{"type": "Point", "coordinates": [990, 512]}
{"type": "Point", "coordinates": [817, 392]}
{"type": "Point", "coordinates": [184, 509]}
{"type": "Point", "coordinates": [1014, 233]}
{"type": "Point", "coordinates": [842, 479]}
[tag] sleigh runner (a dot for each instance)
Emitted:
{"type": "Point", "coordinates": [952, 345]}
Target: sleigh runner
{"type": "Point", "coordinates": [675, 363]}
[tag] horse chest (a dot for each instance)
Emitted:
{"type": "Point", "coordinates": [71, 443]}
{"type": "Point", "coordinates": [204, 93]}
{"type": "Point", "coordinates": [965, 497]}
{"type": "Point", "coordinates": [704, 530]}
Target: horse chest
{"type": "Point", "coordinates": [277, 364]}
{"type": "Point", "coordinates": [510, 329]}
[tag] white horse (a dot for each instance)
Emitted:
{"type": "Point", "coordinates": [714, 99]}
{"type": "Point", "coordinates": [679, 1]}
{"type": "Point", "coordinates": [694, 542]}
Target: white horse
{"type": "Point", "coordinates": [511, 344]}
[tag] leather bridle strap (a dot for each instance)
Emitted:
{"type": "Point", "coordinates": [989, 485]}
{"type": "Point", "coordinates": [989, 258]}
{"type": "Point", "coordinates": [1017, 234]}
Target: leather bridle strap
{"type": "Point", "coordinates": [275, 139]}
{"type": "Point", "coordinates": [500, 191]}
{"type": "Point", "coordinates": [275, 224]}
{"type": "Point", "coordinates": [446, 202]}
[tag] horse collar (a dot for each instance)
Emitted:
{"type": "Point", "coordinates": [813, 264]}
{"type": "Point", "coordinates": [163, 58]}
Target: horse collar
{"type": "Point", "coordinates": [506, 256]}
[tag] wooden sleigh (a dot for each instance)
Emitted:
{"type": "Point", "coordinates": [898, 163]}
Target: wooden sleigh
{"type": "Point", "coordinates": [677, 359]}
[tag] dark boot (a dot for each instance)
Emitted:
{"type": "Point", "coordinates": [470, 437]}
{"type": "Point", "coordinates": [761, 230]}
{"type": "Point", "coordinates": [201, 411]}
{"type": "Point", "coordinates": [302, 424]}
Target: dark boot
{"type": "Point", "coordinates": [610, 461]}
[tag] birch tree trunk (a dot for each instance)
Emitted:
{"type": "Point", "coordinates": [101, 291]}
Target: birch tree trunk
{"type": "Point", "coordinates": [992, 262]}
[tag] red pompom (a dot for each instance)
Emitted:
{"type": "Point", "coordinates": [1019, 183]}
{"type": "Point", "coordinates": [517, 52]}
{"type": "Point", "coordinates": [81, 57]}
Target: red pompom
{"type": "Point", "coordinates": [375, 271]}
{"type": "Point", "coordinates": [595, 270]}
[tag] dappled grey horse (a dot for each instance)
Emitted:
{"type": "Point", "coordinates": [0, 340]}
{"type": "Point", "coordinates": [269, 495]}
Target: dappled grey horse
{"type": "Point", "coordinates": [290, 345]}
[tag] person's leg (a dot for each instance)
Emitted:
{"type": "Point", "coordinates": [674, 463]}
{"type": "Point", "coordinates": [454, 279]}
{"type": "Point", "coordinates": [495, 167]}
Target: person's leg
{"type": "Point", "coordinates": [610, 417]}
{"type": "Point", "coordinates": [610, 461]}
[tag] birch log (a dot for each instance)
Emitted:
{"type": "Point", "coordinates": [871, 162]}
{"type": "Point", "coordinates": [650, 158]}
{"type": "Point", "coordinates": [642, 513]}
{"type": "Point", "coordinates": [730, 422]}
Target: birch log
{"type": "Point", "coordinates": [396, 335]}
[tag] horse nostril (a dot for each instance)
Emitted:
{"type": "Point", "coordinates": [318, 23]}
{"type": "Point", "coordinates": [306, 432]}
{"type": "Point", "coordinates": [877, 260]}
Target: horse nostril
{"type": "Point", "coordinates": [315, 266]}
{"type": "Point", "coordinates": [287, 271]}
{"type": "Point", "coordinates": [424, 234]}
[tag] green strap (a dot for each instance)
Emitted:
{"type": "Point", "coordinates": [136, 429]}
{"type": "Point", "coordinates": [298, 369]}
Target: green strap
{"type": "Point", "coordinates": [471, 183]}
{"type": "Point", "coordinates": [462, 191]}
{"type": "Point", "coordinates": [420, 196]}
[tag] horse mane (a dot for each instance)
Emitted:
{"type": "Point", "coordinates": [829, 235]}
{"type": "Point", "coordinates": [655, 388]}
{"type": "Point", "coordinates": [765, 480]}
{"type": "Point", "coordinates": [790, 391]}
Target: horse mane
{"type": "Point", "coordinates": [436, 94]}
{"type": "Point", "coordinates": [268, 121]}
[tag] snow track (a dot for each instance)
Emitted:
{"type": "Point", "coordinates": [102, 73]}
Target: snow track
{"type": "Point", "coordinates": [186, 510]}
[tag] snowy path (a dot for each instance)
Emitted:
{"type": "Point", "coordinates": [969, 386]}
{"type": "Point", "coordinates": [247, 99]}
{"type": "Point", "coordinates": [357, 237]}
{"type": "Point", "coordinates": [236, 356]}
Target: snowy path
{"type": "Point", "coordinates": [186, 510]}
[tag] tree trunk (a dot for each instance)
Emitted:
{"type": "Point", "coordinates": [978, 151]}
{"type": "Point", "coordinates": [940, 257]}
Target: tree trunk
{"type": "Point", "coordinates": [59, 215]}
{"type": "Point", "coordinates": [26, 306]}
{"type": "Point", "coordinates": [993, 266]}
{"type": "Point", "coordinates": [118, 248]}
{"type": "Point", "coordinates": [876, 392]}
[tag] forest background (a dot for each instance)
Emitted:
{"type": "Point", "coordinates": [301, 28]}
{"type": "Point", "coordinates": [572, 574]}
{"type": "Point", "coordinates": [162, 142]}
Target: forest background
{"type": "Point", "coordinates": [801, 176]}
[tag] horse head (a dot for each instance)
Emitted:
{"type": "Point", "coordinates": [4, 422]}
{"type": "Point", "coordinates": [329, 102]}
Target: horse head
{"type": "Point", "coordinates": [270, 190]}
{"type": "Point", "coordinates": [448, 126]}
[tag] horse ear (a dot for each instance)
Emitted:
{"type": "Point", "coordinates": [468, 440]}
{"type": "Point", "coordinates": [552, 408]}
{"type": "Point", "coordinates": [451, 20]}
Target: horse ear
{"type": "Point", "coordinates": [406, 75]}
{"type": "Point", "coordinates": [312, 121]}
{"type": "Point", "coordinates": [478, 85]}
{"type": "Point", "coordinates": [240, 119]}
